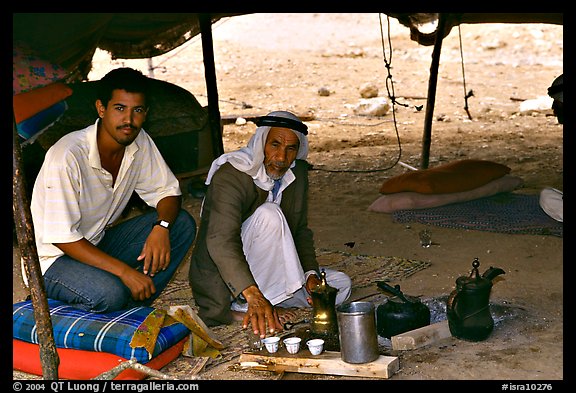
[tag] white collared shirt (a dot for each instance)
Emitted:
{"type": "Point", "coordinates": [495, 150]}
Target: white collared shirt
{"type": "Point", "coordinates": [74, 198]}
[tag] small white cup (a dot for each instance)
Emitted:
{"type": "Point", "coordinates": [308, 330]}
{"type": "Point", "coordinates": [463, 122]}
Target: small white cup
{"type": "Point", "coordinates": [271, 343]}
{"type": "Point", "coordinates": [315, 346]}
{"type": "Point", "coordinates": [292, 344]}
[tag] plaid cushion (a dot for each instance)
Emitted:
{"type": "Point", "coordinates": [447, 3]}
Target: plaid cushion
{"type": "Point", "coordinates": [100, 332]}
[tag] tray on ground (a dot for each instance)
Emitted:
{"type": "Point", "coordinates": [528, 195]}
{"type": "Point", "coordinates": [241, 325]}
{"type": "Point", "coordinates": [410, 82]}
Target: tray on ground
{"type": "Point", "coordinates": [328, 362]}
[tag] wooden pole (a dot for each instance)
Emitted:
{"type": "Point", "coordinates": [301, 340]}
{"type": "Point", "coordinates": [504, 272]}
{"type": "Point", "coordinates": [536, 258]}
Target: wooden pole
{"type": "Point", "coordinates": [211, 85]}
{"type": "Point", "coordinates": [49, 358]}
{"type": "Point", "coordinates": [432, 82]}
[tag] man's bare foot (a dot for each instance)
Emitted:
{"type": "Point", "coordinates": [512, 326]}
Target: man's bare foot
{"type": "Point", "coordinates": [237, 315]}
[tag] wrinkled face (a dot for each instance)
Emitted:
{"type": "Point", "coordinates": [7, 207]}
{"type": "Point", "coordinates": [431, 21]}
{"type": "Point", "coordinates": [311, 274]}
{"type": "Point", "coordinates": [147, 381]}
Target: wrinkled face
{"type": "Point", "coordinates": [122, 119]}
{"type": "Point", "coordinates": [280, 151]}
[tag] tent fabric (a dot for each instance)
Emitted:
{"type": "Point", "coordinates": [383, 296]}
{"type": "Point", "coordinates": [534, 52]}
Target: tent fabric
{"type": "Point", "coordinates": [30, 71]}
{"type": "Point", "coordinates": [71, 39]}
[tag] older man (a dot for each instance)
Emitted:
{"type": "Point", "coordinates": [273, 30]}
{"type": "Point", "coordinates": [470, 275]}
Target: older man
{"type": "Point", "coordinates": [254, 256]}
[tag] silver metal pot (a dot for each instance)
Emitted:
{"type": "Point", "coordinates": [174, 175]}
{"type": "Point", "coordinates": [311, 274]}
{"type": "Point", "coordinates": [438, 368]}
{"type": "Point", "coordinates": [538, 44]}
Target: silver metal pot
{"type": "Point", "coordinates": [357, 332]}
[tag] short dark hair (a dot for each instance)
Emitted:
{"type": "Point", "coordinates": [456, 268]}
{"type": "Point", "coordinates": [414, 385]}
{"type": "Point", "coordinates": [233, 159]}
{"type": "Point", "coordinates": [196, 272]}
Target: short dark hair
{"type": "Point", "coordinates": [129, 79]}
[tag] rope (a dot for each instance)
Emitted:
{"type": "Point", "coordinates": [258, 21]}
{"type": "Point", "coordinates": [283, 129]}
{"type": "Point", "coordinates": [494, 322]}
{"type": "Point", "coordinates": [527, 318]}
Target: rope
{"type": "Point", "coordinates": [391, 95]}
{"type": "Point", "coordinates": [470, 93]}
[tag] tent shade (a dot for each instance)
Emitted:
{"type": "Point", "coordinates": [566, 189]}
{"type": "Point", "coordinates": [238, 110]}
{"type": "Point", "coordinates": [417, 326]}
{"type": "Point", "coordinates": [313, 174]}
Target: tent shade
{"type": "Point", "coordinates": [71, 39]}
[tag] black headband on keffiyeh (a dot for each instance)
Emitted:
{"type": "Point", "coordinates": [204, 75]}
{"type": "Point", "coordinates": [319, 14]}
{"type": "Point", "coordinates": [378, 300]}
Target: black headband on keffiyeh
{"type": "Point", "coordinates": [276, 121]}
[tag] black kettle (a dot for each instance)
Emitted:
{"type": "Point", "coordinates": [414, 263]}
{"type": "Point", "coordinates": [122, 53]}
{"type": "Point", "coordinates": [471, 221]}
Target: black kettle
{"type": "Point", "coordinates": [468, 307]}
{"type": "Point", "coordinates": [400, 313]}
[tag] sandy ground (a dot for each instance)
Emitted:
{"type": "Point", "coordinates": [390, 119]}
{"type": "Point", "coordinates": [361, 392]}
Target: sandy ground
{"type": "Point", "coordinates": [268, 62]}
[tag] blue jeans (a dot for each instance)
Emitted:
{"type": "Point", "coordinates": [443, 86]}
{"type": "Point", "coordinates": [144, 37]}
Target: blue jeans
{"type": "Point", "coordinates": [96, 290]}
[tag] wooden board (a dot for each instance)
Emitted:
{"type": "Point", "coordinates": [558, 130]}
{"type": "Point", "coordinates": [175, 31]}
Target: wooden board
{"type": "Point", "coordinates": [422, 336]}
{"type": "Point", "coordinates": [328, 362]}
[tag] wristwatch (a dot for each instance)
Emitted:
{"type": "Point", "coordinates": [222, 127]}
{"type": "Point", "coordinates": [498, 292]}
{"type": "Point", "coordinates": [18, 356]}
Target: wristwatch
{"type": "Point", "coordinates": [162, 223]}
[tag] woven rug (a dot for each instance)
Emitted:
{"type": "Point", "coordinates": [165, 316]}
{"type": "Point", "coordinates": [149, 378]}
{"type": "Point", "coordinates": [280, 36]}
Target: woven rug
{"type": "Point", "coordinates": [365, 270]}
{"type": "Point", "coordinates": [504, 213]}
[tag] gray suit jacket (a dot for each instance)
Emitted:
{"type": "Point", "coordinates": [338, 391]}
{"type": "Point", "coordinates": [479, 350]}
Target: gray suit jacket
{"type": "Point", "coordinates": [219, 269]}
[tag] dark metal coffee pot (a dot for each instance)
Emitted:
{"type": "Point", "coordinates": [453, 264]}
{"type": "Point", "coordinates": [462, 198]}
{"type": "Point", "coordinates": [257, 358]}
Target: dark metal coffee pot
{"type": "Point", "coordinates": [400, 313]}
{"type": "Point", "coordinates": [324, 321]}
{"type": "Point", "coordinates": [468, 307]}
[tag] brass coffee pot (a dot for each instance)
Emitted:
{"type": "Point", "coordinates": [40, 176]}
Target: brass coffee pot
{"type": "Point", "coordinates": [324, 321]}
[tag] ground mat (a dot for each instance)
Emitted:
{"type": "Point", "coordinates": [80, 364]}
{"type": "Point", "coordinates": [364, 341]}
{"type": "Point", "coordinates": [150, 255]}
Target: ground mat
{"type": "Point", "coordinates": [365, 270]}
{"type": "Point", "coordinates": [504, 213]}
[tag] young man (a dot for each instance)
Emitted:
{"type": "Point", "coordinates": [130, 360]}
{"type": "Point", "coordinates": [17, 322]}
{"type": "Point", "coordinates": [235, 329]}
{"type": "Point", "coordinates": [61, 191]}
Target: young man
{"type": "Point", "coordinates": [254, 256]}
{"type": "Point", "coordinates": [85, 183]}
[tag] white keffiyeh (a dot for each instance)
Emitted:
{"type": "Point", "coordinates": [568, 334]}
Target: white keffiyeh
{"type": "Point", "coordinates": [250, 159]}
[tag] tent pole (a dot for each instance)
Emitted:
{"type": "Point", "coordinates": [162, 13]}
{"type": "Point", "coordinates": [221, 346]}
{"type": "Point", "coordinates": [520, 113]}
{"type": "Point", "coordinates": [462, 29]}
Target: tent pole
{"type": "Point", "coordinates": [432, 82]}
{"type": "Point", "coordinates": [49, 358]}
{"type": "Point", "coordinates": [211, 86]}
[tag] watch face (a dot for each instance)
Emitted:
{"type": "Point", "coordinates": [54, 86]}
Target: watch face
{"type": "Point", "coordinates": [163, 223]}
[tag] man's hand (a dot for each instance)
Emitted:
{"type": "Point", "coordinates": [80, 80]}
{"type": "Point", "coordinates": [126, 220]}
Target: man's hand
{"type": "Point", "coordinates": [140, 285]}
{"type": "Point", "coordinates": [156, 251]}
{"type": "Point", "coordinates": [261, 313]}
{"type": "Point", "coordinates": [312, 282]}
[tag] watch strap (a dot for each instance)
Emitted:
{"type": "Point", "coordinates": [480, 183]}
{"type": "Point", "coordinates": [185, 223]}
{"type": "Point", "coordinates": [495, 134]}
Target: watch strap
{"type": "Point", "coordinates": [162, 223]}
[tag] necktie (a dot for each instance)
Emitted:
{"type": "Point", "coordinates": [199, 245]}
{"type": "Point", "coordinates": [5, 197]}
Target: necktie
{"type": "Point", "coordinates": [275, 188]}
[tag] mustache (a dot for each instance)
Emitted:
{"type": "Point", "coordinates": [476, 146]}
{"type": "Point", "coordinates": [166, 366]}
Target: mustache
{"type": "Point", "coordinates": [131, 126]}
{"type": "Point", "coordinates": [280, 164]}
